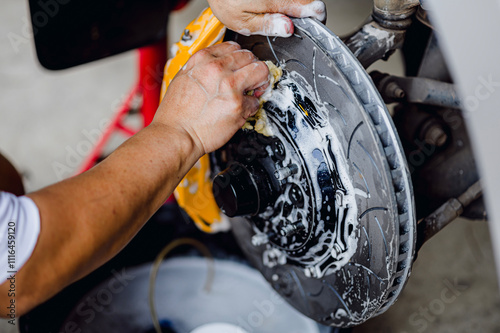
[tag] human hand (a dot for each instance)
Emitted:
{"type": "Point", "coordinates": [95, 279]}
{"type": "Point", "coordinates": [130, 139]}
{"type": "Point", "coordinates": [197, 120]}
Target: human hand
{"type": "Point", "coordinates": [207, 99]}
{"type": "Point", "coordinates": [265, 17]}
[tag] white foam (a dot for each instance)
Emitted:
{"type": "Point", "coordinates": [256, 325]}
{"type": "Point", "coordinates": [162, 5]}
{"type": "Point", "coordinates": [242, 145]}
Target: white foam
{"type": "Point", "coordinates": [308, 141]}
{"type": "Point", "coordinates": [316, 9]}
{"type": "Point", "coordinates": [277, 25]}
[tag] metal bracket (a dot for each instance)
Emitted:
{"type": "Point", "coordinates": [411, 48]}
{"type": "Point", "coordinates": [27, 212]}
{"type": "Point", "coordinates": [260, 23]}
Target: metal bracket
{"type": "Point", "coordinates": [447, 213]}
{"type": "Point", "coordinates": [416, 90]}
{"type": "Point", "coordinates": [385, 33]}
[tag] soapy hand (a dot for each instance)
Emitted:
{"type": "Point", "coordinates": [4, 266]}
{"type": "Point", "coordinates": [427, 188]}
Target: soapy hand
{"type": "Point", "coordinates": [265, 17]}
{"type": "Point", "coordinates": [207, 99]}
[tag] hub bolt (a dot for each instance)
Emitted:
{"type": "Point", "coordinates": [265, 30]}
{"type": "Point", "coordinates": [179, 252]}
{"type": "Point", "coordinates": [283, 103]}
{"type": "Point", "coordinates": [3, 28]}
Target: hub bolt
{"type": "Point", "coordinates": [291, 229]}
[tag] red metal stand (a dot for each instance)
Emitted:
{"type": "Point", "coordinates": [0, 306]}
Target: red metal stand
{"type": "Point", "coordinates": [152, 60]}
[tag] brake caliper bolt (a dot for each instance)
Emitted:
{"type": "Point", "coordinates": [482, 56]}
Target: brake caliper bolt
{"type": "Point", "coordinates": [187, 35]}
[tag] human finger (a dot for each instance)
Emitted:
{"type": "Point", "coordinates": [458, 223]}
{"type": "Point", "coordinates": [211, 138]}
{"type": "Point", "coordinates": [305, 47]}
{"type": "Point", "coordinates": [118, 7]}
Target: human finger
{"type": "Point", "coordinates": [300, 8]}
{"type": "Point", "coordinates": [238, 59]}
{"type": "Point", "coordinates": [251, 76]}
{"type": "Point", "coordinates": [259, 91]}
{"type": "Point", "coordinates": [273, 17]}
{"type": "Point", "coordinates": [210, 53]}
{"type": "Point", "coordinates": [222, 49]}
{"type": "Point", "coordinates": [250, 106]}
{"type": "Point", "coordinates": [268, 25]}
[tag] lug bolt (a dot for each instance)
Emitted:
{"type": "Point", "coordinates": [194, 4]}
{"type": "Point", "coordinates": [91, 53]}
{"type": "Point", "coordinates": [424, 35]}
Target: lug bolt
{"type": "Point", "coordinates": [295, 196]}
{"type": "Point", "coordinates": [291, 229]}
{"type": "Point", "coordinates": [286, 172]}
{"type": "Point", "coordinates": [279, 150]}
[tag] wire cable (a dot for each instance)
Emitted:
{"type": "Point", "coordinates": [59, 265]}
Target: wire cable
{"type": "Point", "coordinates": [156, 266]}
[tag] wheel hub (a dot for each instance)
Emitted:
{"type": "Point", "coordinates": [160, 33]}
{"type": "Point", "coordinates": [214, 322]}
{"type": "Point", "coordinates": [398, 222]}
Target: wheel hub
{"type": "Point", "coordinates": [286, 186]}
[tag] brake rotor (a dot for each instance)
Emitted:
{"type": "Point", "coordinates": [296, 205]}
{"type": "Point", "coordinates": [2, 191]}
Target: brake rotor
{"type": "Point", "coordinates": [322, 202]}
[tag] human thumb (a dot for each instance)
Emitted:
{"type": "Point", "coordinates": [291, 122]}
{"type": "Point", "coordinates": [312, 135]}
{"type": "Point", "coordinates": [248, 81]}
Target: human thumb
{"type": "Point", "coordinates": [269, 25]}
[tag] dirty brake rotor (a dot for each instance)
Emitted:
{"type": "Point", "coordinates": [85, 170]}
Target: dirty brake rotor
{"type": "Point", "coordinates": [323, 204]}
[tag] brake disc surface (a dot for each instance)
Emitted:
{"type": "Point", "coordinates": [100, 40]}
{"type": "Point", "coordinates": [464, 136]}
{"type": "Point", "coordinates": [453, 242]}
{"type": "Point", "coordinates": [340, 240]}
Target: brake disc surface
{"type": "Point", "coordinates": [322, 204]}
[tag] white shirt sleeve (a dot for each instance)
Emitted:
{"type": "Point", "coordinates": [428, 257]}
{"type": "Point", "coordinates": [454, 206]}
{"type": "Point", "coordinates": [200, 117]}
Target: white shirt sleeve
{"type": "Point", "coordinates": [19, 230]}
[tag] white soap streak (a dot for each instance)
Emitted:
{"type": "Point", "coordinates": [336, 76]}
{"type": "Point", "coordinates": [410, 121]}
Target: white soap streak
{"type": "Point", "coordinates": [277, 25]}
{"type": "Point", "coordinates": [361, 193]}
{"type": "Point", "coordinates": [328, 79]}
{"type": "Point", "coordinates": [193, 188]}
{"type": "Point", "coordinates": [382, 37]}
{"type": "Point", "coordinates": [219, 37]}
{"type": "Point", "coordinates": [245, 32]}
{"type": "Point", "coordinates": [221, 225]}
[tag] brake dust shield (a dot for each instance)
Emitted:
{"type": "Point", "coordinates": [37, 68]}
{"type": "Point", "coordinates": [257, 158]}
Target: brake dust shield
{"type": "Point", "coordinates": [321, 204]}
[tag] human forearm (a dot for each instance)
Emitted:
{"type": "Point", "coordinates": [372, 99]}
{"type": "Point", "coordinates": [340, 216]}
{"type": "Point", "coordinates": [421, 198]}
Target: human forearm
{"type": "Point", "coordinates": [86, 220]}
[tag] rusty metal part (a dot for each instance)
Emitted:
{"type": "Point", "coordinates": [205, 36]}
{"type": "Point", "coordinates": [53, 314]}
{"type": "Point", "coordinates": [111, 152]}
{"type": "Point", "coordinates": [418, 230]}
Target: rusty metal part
{"type": "Point", "coordinates": [434, 134]}
{"type": "Point", "coordinates": [393, 90]}
{"type": "Point", "coordinates": [396, 8]}
{"type": "Point", "coordinates": [373, 42]}
{"type": "Point", "coordinates": [438, 172]}
{"type": "Point", "coordinates": [379, 38]}
{"type": "Point", "coordinates": [417, 90]}
{"type": "Point", "coordinates": [394, 14]}
{"type": "Point", "coordinates": [447, 213]}
{"type": "Point", "coordinates": [423, 16]}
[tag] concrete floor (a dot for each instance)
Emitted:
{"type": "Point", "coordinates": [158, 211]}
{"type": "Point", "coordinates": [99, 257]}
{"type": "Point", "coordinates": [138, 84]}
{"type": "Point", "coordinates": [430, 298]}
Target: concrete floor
{"type": "Point", "coordinates": [45, 115]}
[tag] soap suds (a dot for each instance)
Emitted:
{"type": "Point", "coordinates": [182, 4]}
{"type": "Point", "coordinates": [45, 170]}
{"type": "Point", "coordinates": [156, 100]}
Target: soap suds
{"type": "Point", "coordinates": [259, 122]}
{"type": "Point", "coordinates": [309, 141]}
